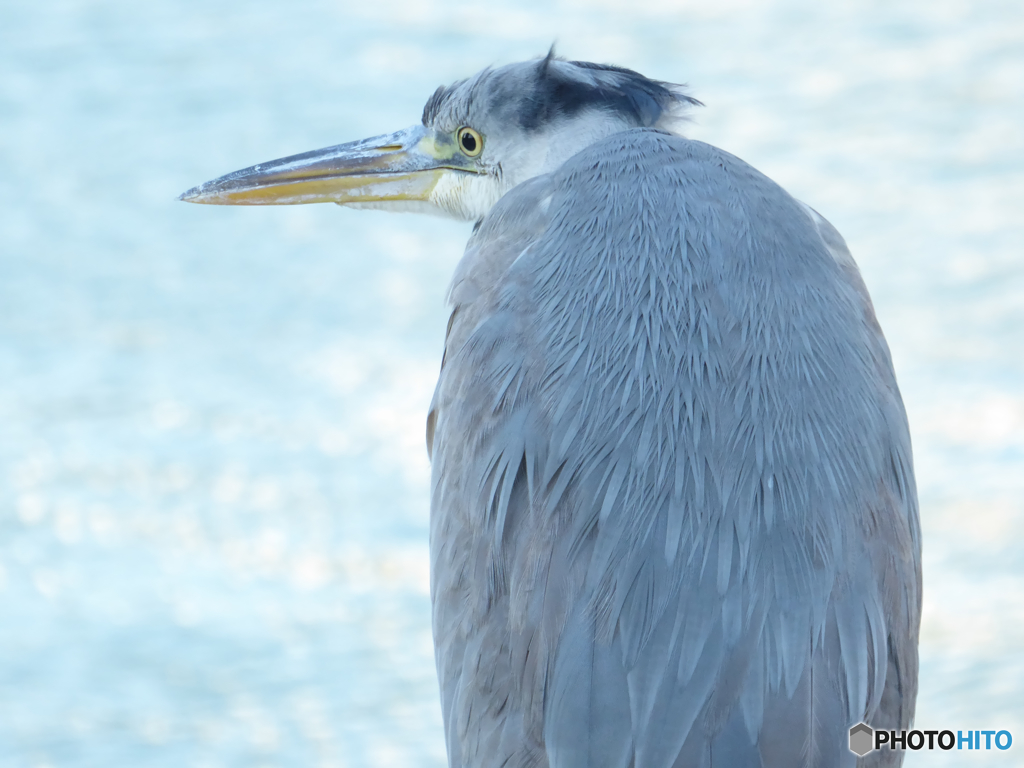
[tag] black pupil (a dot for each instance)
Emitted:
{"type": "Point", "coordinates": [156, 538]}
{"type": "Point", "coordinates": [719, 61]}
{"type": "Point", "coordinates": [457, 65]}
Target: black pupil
{"type": "Point", "coordinates": [469, 142]}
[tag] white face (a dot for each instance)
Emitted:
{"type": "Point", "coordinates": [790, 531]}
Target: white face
{"type": "Point", "coordinates": [511, 156]}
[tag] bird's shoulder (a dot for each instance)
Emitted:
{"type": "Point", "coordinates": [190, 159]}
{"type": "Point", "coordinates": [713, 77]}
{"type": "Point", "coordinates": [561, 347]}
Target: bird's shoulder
{"type": "Point", "coordinates": [647, 191]}
{"type": "Point", "coordinates": [695, 166]}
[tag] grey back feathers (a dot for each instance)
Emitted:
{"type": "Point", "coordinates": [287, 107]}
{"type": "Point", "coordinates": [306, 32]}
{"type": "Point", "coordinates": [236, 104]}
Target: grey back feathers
{"type": "Point", "coordinates": [674, 519]}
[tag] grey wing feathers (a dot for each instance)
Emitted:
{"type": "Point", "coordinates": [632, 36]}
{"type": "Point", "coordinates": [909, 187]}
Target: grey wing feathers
{"type": "Point", "coordinates": [673, 510]}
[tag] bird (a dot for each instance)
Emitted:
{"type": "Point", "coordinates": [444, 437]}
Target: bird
{"type": "Point", "coordinates": [674, 521]}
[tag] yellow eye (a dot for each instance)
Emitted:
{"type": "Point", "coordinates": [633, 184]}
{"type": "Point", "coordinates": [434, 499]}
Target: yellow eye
{"type": "Point", "coordinates": [470, 142]}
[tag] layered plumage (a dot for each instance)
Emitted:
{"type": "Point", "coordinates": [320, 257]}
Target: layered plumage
{"type": "Point", "coordinates": [673, 516]}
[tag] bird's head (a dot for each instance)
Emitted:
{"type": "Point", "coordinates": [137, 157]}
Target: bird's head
{"type": "Point", "coordinates": [478, 138]}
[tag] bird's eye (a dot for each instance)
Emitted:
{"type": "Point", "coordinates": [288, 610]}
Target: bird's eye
{"type": "Point", "coordinates": [470, 142]}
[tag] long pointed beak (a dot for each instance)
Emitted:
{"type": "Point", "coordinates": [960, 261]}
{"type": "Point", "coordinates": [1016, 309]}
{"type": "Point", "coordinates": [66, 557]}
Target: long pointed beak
{"type": "Point", "coordinates": [400, 166]}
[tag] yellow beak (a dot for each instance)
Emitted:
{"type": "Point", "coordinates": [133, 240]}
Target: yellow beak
{"type": "Point", "coordinates": [400, 166]}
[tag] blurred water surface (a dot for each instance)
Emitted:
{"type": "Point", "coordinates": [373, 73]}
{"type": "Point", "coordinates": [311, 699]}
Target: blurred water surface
{"type": "Point", "coordinates": [213, 483]}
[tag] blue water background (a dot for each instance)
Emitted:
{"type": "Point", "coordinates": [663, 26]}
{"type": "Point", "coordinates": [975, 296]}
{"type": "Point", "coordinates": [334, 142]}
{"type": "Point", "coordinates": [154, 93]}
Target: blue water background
{"type": "Point", "coordinates": [213, 482]}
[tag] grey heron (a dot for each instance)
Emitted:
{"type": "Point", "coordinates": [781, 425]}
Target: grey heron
{"type": "Point", "coordinates": [673, 512]}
